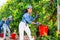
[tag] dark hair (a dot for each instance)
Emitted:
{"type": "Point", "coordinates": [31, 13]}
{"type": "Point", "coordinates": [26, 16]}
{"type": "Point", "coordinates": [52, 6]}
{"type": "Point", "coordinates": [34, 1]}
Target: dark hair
{"type": "Point", "coordinates": [25, 11]}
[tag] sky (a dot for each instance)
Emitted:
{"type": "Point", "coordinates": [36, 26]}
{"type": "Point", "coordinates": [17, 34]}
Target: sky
{"type": "Point", "coordinates": [2, 2]}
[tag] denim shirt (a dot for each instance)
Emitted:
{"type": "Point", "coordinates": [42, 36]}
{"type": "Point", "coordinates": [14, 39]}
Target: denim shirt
{"type": "Point", "coordinates": [8, 22]}
{"type": "Point", "coordinates": [27, 19]}
{"type": "Point", "coordinates": [1, 23]}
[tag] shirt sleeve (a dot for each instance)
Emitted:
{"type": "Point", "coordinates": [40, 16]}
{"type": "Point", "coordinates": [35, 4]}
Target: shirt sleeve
{"type": "Point", "coordinates": [27, 18]}
{"type": "Point", "coordinates": [32, 18]}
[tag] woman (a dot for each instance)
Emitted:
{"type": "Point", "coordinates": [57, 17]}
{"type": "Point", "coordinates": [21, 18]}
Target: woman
{"type": "Point", "coordinates": [23, 26]}
{"type": "Point", "coordinates": [6, 27]}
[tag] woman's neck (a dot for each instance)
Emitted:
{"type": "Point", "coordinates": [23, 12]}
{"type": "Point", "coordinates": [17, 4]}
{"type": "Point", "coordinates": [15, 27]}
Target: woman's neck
{"type": "Point", "coordinates": [29, 13]}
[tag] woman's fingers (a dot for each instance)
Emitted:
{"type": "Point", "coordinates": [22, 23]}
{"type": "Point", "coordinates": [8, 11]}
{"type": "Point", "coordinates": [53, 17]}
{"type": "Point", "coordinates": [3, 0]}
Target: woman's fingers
{"type": "Point", "coordinates": [38, 23]}
{"type": "Point", "coordinates": [33, 22]}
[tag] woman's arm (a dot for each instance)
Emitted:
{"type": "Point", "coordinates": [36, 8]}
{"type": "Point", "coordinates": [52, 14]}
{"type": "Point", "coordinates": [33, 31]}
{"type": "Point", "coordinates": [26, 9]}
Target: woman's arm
{"type": "Point", "coordinates": [31, 22]}
{"type": "Point", "coordinates": [28, 19]}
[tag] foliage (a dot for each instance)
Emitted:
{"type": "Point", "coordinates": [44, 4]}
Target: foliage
{"type": "Point", "coordinates": [58, 2]}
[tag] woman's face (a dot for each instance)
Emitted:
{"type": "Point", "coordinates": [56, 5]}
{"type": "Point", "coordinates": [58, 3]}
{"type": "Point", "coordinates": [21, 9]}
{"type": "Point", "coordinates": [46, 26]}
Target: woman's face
{"type": "Point", "coordinates": [10, 18]}
{"type": "Point", "coordinates": [30, 10]}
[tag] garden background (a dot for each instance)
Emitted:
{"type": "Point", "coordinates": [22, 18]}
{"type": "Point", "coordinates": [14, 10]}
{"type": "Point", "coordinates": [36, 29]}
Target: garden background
{"type": "Point", "coordinates": [47, 10]}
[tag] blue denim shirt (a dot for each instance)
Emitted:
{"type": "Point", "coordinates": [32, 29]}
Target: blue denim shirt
{"type": "Point", "coordinates": [1, 23]}
{"type": "Point", "coordinates": [27, 18]}
{"type": "Point", "coordinates": [8, 22]}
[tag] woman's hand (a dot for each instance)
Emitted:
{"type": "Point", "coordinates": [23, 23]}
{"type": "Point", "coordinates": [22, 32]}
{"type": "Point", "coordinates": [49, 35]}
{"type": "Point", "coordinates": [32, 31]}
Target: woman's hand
{"type": "Point", "coordinates": [33, 22]}
{"type": "Point", "coordinates": [38, 23]}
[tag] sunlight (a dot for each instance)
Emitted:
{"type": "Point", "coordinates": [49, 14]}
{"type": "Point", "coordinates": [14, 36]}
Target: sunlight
{"type": "Point", "coordinates": [2, 2]}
